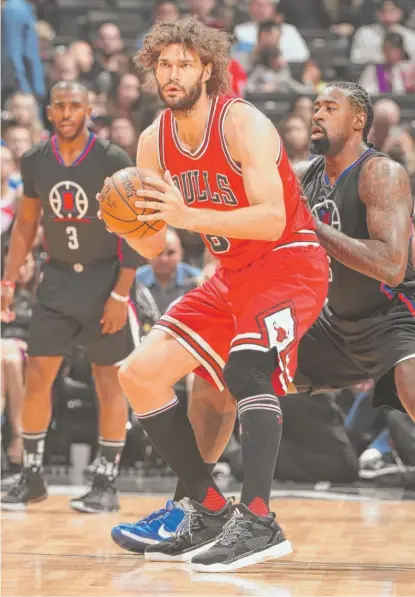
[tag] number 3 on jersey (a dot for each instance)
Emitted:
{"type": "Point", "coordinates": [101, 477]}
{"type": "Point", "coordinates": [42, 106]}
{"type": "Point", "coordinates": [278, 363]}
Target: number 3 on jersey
{"type": "Point", "coordinates": [73, 241]}
{"type": "Point", "coordinates": [218, 244]}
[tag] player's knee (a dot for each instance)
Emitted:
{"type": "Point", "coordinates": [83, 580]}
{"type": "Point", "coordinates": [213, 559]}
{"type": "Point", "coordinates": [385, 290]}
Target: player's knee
{"type": "Point", "coordinates": [248, 373]}
{"type": "Point", "coordinates": [135, 373]}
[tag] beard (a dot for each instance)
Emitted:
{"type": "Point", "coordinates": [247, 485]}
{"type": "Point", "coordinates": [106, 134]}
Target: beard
{"type": "Point", "coordinates": [185, 103]}
{"type": "Point", "coordinates": [72, 136]}
{"type": "Point", "coordinates": [320, 146]}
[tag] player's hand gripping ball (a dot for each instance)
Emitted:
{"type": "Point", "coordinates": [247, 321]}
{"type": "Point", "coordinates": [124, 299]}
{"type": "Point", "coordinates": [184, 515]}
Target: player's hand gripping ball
{"type": "Point", "coordinates": [117, 203]}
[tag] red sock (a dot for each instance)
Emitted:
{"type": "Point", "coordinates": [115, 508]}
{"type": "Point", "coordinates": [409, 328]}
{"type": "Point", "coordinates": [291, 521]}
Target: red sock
{"type": "Point", "coordinates": [258, 507]}
{"type": "Point", "coordinates": [213, 500]}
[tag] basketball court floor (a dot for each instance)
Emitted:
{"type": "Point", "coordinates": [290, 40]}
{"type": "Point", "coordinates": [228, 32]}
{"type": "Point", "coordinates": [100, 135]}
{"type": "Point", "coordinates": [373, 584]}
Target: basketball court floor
{"type": "Point", "coordinates": [346, 544]}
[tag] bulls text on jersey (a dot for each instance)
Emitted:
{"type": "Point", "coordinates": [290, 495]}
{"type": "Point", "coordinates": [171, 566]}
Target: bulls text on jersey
{"type": "Point", "coordinates": [195, 187]}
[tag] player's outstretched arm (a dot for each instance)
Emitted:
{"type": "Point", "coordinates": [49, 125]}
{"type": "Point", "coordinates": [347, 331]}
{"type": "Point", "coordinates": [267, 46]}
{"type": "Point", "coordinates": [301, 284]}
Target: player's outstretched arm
{"type": "Point", "coordinates": [384, 188]}
{"type": "Point", "coordinates": [254, 144]}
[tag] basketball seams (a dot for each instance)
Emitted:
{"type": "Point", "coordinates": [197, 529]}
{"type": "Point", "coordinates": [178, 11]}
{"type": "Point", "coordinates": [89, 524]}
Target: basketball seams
{"type": "Point", "coordinates": [147, 225]}
{"type": "Point", "coordinates": [120, 195]}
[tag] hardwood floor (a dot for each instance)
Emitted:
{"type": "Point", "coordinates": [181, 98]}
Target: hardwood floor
{"type": "Point", "coordinates": [341, 549]}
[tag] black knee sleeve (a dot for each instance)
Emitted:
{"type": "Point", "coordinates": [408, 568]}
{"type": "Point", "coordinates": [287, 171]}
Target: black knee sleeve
{"type": "Point", "coordinates": [248, 373]}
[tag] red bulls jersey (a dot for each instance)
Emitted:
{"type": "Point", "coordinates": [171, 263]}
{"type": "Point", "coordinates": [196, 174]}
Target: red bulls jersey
{"type": "Point", "coordinates": [209, 179]}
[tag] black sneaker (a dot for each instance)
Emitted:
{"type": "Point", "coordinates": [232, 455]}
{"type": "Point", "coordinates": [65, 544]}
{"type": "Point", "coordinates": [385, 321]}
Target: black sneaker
{"type": "Point", "coordinates": [245, 540]}
{"type": "Point", "coordinates": [196, 533]}
{"type": "Point", "coordinates": [29, 486]}
{"type": "Point", "coordinates": [101, 497]}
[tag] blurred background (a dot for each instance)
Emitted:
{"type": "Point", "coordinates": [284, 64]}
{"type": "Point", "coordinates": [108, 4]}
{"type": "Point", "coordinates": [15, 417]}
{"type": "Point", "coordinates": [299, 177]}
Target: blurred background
{"type": "Point", "coordinates": [282, 55]}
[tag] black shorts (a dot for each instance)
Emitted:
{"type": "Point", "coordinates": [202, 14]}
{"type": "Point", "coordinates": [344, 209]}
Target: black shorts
{"type": "Point", "coordinates": [68, 311]}
{"type": "Point", "coordinates": [336, 354]}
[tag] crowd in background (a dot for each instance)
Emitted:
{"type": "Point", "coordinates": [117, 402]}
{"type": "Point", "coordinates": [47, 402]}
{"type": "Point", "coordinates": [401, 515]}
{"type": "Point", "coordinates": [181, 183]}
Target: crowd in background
{"type": "Point", "coordinates": [282, 55]}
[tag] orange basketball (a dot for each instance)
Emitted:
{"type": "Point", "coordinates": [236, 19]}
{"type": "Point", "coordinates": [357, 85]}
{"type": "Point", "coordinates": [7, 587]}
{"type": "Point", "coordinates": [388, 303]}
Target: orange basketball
{"type": "Point", "coordinates": [117, 205]}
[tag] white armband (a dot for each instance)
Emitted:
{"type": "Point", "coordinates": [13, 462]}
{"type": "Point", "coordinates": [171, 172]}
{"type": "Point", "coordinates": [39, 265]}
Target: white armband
{"type": "Point", "coordinates": [119, 298]}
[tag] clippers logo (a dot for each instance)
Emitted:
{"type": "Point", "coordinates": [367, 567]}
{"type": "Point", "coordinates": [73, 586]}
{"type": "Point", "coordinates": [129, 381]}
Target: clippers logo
{"type": "Point", "coordinates": [68, 201]}
{"type": "Point", "coordinates": [326, 211]}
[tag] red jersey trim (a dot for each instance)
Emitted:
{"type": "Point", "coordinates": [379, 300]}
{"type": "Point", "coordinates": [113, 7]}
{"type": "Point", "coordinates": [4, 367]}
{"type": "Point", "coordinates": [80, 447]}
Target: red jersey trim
{"type": "Point", "coordinates": [235, 167]}
{"type": "Point", "coordinates": [195, 155]}
{"type": "Point", "coordinates": [160, 144]}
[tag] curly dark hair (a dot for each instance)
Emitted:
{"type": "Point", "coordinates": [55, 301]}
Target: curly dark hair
{"type": "Point", "coordinates": [212, 45]}
{"type": "Point", "coordinates": [359, 99]}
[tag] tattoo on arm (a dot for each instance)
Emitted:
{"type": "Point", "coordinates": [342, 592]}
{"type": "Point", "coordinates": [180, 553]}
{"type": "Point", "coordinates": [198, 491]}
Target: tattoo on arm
{"type": "Point", "coordinates": [385, 190]}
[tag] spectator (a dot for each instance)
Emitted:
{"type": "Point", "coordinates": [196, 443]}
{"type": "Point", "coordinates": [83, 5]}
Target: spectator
{"type": "Point", "coordinates": [88, 68]}
{"type": "Point", "coordinates": [312, 76]}
{"type": "Point", "coordinates": [403, 142]}
{"type": "Point", "coordinates": [110, 48]}
{"type": "Point", "coordinates": [368, 40]}
{"type": "Point", "coordinates": [292, 44]}
{"type": "Point", "coordinates": [295, 135]}
{"type": "Point", "coordinates": [122, 133]}
{"type": "Point", "coordinates": [273, 75]}
{"type": "Point", "coordinates": [126, 100]}
{"type": "Point", "coordinates": [202, 9]}
{"type": "Point", "coordinates": [164, 10]}
{"type": "Point", "coordinates": [225, 17]}
{"type": "Point", "coordinates": [18, 140]}
{"type": "Point", "coordinates": [305, 15]}
{"type": "Point", "coordinates": [24, 109]}
{"type": "Point", "coordinates": [167, 276]}
{"type": "Point", "coordinates": [387, 114]}
{"type": "Point", "coordinates": [239, 78]}
{"type": "Point", "coordinates": [13, 348]}
{"type": "Point", "coordinates": [64, 68]}
{"type": "Point", "coordinates": [22, 67]}
{"type": "Point", "coordinates": [9, 194]}
{"type": "Point", "coordinates": [303, 108]}
{"type": "Point", "coordinates": [396, 74]}
{"type": "Point", "coordinates": [100, 125]}
{"type": "Point", "coordinates": [269, 36]}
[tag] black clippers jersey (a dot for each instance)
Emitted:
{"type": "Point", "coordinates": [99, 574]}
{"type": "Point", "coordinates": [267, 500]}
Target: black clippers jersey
{"type": "Point", "coordinates": [73, 232]}
{"type": "Point", "coordinates": [352, 295]}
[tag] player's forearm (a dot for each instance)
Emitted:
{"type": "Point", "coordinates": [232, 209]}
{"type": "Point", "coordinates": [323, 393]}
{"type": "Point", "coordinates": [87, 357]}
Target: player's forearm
{"type": "Point", "coordinates": [257, 222]}
{"type": "Point", "coordinates": [21, 242]}
{"type": "Point", "coordinates": [148, 247]}
{"type": "Point", "coordinates": [369, 257]}
{"type": "Point", "coordinates": [124, 282]}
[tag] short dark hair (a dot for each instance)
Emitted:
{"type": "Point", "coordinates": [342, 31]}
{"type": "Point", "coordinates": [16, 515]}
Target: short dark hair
{"type": "Point", "coordinates": [267, 26]}
{"type": "Point", "coordinates": [359, 99]}
{"type": "Point", "coordinates": [69, 86]}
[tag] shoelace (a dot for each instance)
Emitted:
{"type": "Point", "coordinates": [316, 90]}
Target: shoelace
{"type": "Point", "coordinates": [234, 530]}
{"type": "Point", "coordinates": [190, 520]}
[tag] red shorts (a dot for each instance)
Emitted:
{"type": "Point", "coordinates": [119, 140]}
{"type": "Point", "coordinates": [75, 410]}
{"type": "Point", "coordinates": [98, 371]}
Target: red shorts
{"type": "Point", "coordinates": [271, 303]}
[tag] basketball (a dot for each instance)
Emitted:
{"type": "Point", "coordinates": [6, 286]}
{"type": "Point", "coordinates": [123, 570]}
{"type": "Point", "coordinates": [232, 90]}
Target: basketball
{"type": "Point", "coordinates": [118, 203]}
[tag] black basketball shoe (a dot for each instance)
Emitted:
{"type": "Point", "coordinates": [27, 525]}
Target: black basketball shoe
{"type": "Point", "coordinates": [245, 540]}
{"type": "Point", "coordinates": [29, 486]}
{"type": "Point", "coordinates": [101, 497]}
{"type": "Point", "coordinates": [196, 533]}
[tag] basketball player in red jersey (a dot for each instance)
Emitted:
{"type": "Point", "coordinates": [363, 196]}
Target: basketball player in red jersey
{"type": "Point", "coordinates": [226, 176]}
